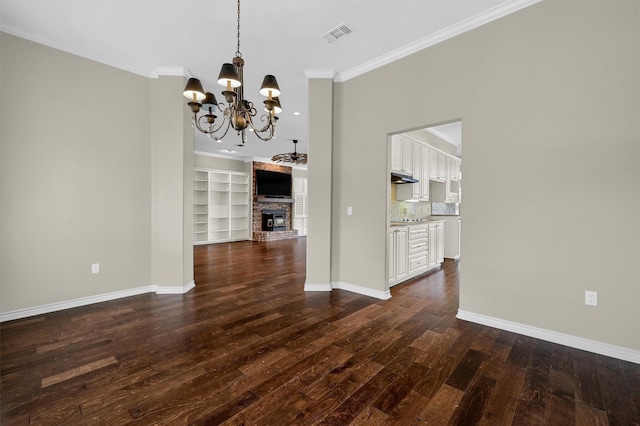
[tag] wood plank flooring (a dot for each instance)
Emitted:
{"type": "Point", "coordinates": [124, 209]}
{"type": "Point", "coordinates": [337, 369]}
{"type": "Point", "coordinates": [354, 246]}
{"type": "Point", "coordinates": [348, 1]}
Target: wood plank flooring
{"type": "Point", "coordinates": [249, 347]}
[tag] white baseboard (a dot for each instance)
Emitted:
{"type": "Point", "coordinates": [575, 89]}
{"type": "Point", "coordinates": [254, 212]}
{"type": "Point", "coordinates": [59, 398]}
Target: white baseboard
{"type": "Point", "coordinates": [383, 295]}
{"type": "Point", "coordinates": [606, 349]}
{"type": "Point", "coordinates": [317, 287]}
{"type": "Point", "coordinates": [175, 289]}
{"type": "Point", "coordinates": [83, 301]}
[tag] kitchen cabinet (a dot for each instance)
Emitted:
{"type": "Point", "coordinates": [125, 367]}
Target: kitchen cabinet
{"type": "Point", "coordinates": [436, 243]}
{"type": "Point", "coordinates": [453, 168]}
{"type": "Point", "coordinates": [418, 249]}
{"type": "Point", "coordinates": [452, 225]}
{"type": "Point", "coordinates": [420, 190]}
{"type": "Point", "coordinates": [402, 154]}
{"type": "Point", "coordinates": [424, 180]}
{"type": "Point", "coordinates": [452, 194]}
{"type": "Point", "coordinates": [440, 243]}
{"type": "Point", "coordinates": [220, 206]}
{"type": "Point", "coordinates": [448, 190]}
{"type": "Point", "coordinates": [414, 249]}
{"type": "Point", "coordinates": [398, 256]}
{"type": "Point", "coordinates": [437, 165]}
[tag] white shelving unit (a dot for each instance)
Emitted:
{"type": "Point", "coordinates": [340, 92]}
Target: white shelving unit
{"type": "Point", "coordinates": [300, 206]}
{"type": "Point", "coordinates": [221, 206]}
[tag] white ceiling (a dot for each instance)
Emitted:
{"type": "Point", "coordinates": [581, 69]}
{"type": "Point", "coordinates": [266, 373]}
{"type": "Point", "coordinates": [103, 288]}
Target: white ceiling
{"type": "Point", "coordinates": [280, 37]}
{"type": "Point", "coordinates": [450, 132]}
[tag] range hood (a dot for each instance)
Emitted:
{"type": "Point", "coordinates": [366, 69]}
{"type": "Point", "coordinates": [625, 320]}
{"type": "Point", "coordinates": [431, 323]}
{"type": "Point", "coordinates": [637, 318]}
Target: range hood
{"type": "Point", "coordinates": [400, 178]}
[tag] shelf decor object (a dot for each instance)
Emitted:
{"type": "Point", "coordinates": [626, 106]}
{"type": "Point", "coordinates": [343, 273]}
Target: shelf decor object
{"type": "Point", "coordinates": [291, 157]}
{"type": "Point", "coordinates": [238, 112]}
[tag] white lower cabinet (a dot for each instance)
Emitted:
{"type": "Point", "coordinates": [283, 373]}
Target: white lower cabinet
{"type": "Point", "coordinates": [398, 261]}
{"type": "Point", "coordinates": [440, 244]}
{"type": "Point", "coordinates": [414, 249]}
{"type": "Point", "coordinates": [436, 243]}
{"type": "Point", "coordinates": [418, 249]}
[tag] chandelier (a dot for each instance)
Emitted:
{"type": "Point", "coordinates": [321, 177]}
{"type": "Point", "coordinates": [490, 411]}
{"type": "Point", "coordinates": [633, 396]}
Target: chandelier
{"type": "Point", "coordinates": [238, 112]}
{"type": "Point", "coordinates": [291, 157]}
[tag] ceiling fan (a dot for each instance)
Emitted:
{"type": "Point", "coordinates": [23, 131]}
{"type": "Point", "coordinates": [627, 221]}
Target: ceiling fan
{"type": "Point", "coordinates": [294, 157]}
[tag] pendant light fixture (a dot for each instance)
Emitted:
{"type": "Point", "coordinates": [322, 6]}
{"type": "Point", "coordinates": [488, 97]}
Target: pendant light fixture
{"type": "Point", "coordinates": [291, 157]}
{"type": "Point", "coordinates": [238, 112]}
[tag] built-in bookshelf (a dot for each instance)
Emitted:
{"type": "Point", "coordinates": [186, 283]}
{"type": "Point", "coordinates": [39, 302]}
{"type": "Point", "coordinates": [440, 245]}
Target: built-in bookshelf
{"type": "Point", "coordinates": [221, 206]}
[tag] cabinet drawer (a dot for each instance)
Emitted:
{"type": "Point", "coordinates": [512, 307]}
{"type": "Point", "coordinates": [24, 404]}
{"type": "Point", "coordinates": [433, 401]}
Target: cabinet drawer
{"type": "Point", "coordinates": [418, 247]}
{"type": "Point", "coordinates": [418, 262]}
{"type": "Point", "coordinates": [416, 233]}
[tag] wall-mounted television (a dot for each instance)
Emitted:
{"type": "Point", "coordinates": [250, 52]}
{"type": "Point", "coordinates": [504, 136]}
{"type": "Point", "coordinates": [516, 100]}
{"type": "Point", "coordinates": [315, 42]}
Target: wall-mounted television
{"type": "Point", "coordinates": [273, 184]}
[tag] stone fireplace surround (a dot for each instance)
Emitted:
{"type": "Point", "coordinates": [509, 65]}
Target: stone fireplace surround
{"type": "Point", "coordinates": [271, 204]}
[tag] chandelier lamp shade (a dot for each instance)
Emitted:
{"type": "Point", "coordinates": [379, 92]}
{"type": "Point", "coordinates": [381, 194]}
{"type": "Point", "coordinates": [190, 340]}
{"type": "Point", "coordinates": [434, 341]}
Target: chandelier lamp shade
{"type": "Point", "coordinates": [237, 112]}
{"type": "Point", "coordinates": [294, 157]}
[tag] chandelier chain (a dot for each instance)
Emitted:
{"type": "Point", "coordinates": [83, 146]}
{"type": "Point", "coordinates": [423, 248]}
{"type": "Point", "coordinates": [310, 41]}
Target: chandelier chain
{"type": "Point", "coordinates": [238, 54]}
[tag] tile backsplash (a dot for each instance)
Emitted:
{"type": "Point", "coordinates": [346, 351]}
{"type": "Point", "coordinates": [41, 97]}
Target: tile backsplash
{"type": "Point", "coordinates": [399, 210]}
{"type": "Point", "coordinates": [445, 208]}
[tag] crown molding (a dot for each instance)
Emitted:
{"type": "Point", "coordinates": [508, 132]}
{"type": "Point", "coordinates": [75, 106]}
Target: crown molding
{"type": "Point", "coordinates": [225, 156]}
{"type": "Point", "coordinates": [248, 159]}
{"type": "Point", "coordinates": [169, 72]}
{"type": "Point", "coordinates": [438, 37]}
{"type": "Point", "coordinates": [441, 136]}
{"type": "Point", "coordinates": [320, 73]}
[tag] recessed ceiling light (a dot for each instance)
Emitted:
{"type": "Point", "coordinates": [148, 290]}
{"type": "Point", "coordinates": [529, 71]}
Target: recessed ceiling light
{"type": "Point", "coordinates": [296, 113]}
{"type": "Point", "coordinates": [230, 151]}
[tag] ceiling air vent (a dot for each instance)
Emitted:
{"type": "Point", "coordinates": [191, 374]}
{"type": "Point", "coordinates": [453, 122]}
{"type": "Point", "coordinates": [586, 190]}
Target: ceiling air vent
{"type": "Point", "coordinates": [337, 33]}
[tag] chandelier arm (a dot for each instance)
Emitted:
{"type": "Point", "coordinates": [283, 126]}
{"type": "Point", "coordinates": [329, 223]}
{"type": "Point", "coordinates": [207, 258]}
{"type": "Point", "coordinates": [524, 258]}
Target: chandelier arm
{"type": "Point", "coordinates": [211, 128]}
{"type": "Point", "coordinates": [269, 135]}
{"type": "Point", "coordinates": [217, 138]}
{"type": "Point", "coordinates": [270, 122]}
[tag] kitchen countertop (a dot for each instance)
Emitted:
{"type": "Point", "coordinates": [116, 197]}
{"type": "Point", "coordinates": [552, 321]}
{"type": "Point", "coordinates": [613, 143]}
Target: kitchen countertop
{"type": "Point", "coordinates": [422, 222]}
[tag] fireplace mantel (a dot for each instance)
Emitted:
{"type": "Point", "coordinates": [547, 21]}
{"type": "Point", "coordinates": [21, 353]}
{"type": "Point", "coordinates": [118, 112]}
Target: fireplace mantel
{"type": "Point", "coordinates": [275, 200]}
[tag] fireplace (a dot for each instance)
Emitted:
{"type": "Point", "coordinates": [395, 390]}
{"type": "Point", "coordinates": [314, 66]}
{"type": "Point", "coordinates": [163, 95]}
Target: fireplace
{"type": "Point", "coordinates": [274, 220]}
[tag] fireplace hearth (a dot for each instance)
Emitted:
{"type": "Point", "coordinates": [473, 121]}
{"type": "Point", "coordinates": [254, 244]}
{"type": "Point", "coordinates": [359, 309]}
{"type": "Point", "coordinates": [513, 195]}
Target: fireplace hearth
{"type": "Point", "coordinates": [274, 220]}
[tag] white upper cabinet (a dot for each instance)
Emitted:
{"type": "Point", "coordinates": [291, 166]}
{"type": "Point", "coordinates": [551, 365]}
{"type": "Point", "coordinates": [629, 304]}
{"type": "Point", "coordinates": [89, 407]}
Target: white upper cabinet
{"type": "Point", "coordinates": [401, 154]}
{"type": "Point", "coordinates": [424, 179]}
{"type": "Point", "coordinates": [453, 167]}
{"type": "Point", "coordinates": [420, 190]}
{"type": "Point", "coordinates": [437, 165]}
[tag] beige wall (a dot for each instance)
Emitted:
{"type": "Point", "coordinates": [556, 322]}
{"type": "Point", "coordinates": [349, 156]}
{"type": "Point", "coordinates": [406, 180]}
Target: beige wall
{"type": "Point", "coordinates": [92, 167]}
{"type": "Point", "coordinates": [549, 97]}
{"type": "Point", "coordinates": [171, 194]}
{"type": "Point", "coordinates": [219, 163]}
{"type": "Point", "coordinates": [75, 169]}
{"type": "Point", "coordinates": [299, 173]}
{"type": "Point", "coordinates": [319, 184]}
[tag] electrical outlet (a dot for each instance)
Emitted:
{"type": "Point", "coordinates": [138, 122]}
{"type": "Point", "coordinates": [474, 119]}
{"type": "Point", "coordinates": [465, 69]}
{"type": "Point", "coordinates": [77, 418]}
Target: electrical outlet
{"type": "Point", "coordinates": [349, 211]}
{"type": "Point", "coordinates": [591, 298]}
{"type": "Point", "coordinates": [95, 268]}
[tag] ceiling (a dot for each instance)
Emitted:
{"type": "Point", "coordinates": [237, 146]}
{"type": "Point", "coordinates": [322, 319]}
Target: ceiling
{"type": "Point", "coordinates": [280, 37]}
{"type": "Point", "coordinates": [450, 132]}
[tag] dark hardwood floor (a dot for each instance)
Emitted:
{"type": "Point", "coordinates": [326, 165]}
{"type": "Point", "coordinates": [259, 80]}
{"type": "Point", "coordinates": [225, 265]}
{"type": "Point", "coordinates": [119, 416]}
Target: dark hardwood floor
{"type": "Point", "coordinates": [249, 346]}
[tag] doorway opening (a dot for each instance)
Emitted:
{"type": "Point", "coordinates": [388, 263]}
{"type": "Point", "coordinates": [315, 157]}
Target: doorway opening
{"type": "Point", "coordinates": [425, 197]}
